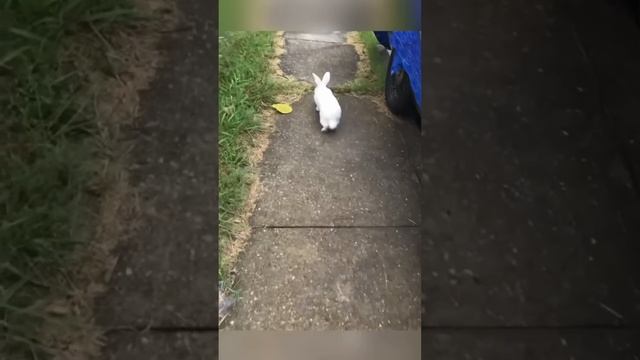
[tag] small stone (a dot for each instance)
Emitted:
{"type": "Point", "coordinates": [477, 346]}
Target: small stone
{"type": "Point", "coordinates": [128, 271]}
{"type": "Point", "coordinates": [593, 241]}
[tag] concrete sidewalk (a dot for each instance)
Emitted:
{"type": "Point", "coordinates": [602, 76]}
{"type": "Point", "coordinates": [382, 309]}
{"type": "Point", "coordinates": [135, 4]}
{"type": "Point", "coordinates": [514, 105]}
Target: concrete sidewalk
{"type": "Point", "coordinates": [161, 297]}
{"type": "Point", "coordinates": [530, 212]}
{"type": "Point", "coordinates": [335, 234]}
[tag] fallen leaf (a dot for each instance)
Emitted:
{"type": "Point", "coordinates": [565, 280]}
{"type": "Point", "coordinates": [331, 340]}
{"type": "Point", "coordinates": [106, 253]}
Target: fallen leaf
{"type": "Point", "coordinates": [282, 108]}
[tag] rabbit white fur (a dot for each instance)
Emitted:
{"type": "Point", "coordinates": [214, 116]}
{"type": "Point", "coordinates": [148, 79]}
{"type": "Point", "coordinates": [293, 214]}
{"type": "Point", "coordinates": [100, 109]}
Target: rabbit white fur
{"type": "Point", "coordinates": [326, 103]}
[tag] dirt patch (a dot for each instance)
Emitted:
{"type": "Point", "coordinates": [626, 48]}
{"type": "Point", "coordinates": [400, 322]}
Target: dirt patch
{"type": "Point", "coordinates": [279, 50]}
{"type": "Point", "coordinates": [132, 56]}
{"type": "Point", "coordinates": [364, 64]}
{"type": "Point", "coordinates": [380, 104]}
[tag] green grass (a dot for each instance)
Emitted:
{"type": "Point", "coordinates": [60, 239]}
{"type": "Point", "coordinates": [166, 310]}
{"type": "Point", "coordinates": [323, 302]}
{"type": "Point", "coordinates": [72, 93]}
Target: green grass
{"type": "Point", "coordinates": [48, 148]}
{"type": "Point", "coordinates": [245, 88]}
{"type": "Point", "coordinates": [373, 81]}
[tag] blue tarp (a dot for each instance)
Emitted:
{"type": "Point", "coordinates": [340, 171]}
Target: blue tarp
{"type": "Point", "coordinates": [407, 47]}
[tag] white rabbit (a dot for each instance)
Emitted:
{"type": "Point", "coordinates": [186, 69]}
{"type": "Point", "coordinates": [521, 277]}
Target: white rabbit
{"type": "Point", "coordinates": [326, 103]}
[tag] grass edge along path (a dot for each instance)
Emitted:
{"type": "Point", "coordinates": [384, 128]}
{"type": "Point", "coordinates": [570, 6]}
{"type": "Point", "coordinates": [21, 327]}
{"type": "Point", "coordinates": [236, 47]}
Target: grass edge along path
{"type": "Point", "coordinates": [246, 88]}
{"type": "Point", "coordinates": [48, 162]}
{"type": "Point", "coordinates": [234, 231]}
{"type": "Point", "coordinates": [60, 92]}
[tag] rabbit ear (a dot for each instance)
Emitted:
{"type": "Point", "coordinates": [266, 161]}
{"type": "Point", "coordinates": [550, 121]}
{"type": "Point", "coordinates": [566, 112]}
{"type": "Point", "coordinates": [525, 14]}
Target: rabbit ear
{"type": "Point", "coordinates": [317, 79]}
{"type": "Point", "coordinates": [325, 78]}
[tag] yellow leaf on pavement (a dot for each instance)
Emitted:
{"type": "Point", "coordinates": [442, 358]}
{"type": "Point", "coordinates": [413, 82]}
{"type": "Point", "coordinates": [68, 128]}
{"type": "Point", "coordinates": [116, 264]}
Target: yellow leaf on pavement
{"type": "Point", "coordinates": [282, 108]}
